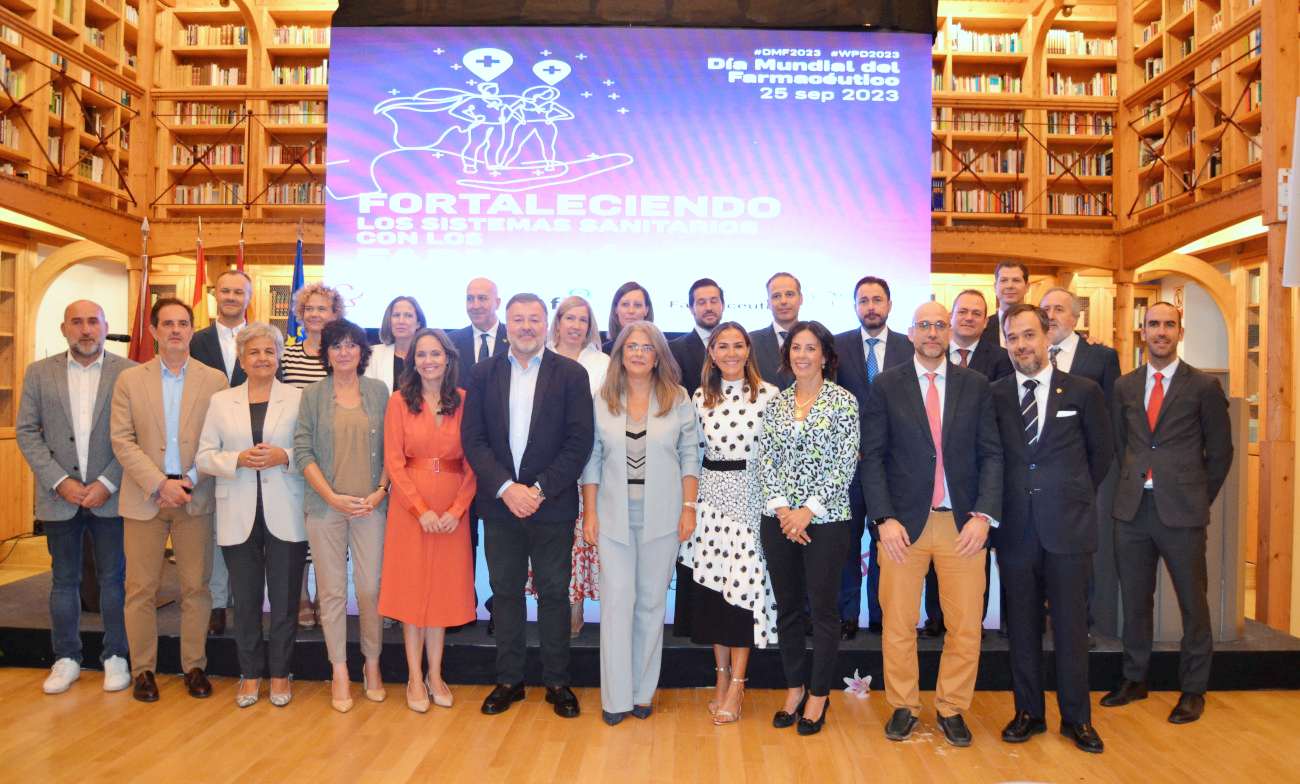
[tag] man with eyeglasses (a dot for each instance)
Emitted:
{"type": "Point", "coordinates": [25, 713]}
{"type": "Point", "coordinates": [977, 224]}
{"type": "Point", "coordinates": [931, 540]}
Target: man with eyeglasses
{"type": "Point", "coordinates": [865, 352]}
{"type": "Point", "coordinates": [932, 476]}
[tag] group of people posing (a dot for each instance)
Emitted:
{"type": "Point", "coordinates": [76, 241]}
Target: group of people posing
{"type": "Point", "coordinates": [750, 463]}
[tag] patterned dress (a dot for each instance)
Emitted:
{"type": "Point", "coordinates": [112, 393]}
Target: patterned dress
{"type": "Point", "coordinates": [724, 554]}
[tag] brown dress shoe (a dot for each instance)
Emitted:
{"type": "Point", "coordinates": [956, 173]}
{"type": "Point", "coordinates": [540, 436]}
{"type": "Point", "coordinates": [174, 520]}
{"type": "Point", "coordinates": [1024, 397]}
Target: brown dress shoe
{"type": "Point", "coordinates": [146, 688]}
{"type": "Point", "coordinates": [217, 621]}
{"type": "Point", "coordinates": [197, 683]}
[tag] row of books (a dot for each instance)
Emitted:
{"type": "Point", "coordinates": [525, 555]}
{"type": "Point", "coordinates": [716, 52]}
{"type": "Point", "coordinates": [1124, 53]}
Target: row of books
{"type": "Point", "coordinates": [1081, 123]}
{"type": "Point", "coordinates": [92, 168]}
{"type": "Point", "coordinates": [1099, 84]}
{"type": "Point", "coordinates": [14, 80]}
{"type": "Point", "coordinates": [301, 74]}
{"type": "Point", "coordinates": [196, 113]}
{"type": "Point", "coordinates": [291, 35]}
{"type": "Point", "coordinates": [1151, 30]}
{"type": "Point", "coordinates": [1154, 194]}
{"type": "Point", "coordinates": [8, 131]}
{"type": "Point", "coordinates": [1079, 204]}
{"type": "Point", "coordinates": [132, 14]}
{"type": "Point", "coordinates": [296, 193]}
{"type": "Point", "coordinates": [1153, 67]}
{"type": "Point", "coordinates": [297, 113]}
{"type": "Point", "coordinates": [10, 35]}
{"type": "Point", "coordinates": [937, 200]}
{"type": "Point", "coordinates": [92, 120]}
{"type": "Point", "coordinates": [1098, 164]}
{"type": "Point", "coordinates": [220, 192]}
{"type": "Point", "coordinates": [210, 75]}
{"type": "Point", "coordinates": [936, 159]}
{"type": "Point", "coordinates": [987, 83]}
{"type": "Point", "coordinates": [97, 37]}
{"type": "Point", "coordinates": [1006, 161]}
{"type": "Point", "coordinates": [1254, 95]}
{"type": "Point", "coordinates": [1074, 42]}
{"type": "Point", "coordinates": [230, 154]}
{"type": "Point", "coordinates": [1254, 42]}
{"type": "Point", "coordinates": [1148, 148]}
{"type": "Point", "coordinates": [214, 35]}
{"type": "Point", "coordinates": [277, 154]}
{"type": "Point", "coordinates": [1006, 201]}
{"type": "Point", "coordinates": [1254, 151]}
{"type": "Point", "coordinates": [63, 10]}
{"type": "Point", "coordinates": [1186, 46]}
{"type": "Point", "coordinates": [960, 40]}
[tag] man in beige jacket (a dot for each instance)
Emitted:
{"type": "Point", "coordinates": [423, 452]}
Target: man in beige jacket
{"type": "Point", "coordinates": [158, 412]}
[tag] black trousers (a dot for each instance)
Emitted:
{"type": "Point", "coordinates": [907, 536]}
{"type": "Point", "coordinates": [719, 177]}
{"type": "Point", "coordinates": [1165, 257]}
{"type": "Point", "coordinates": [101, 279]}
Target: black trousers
{"type": "Point", "coordinates": [1031, 576]}
{"type": "Point", "coordinates": [264, 560]}
{"type": "Point", "coordinates": [1138, 546]}
{"type": "Point", "coordinates": [508, 546]}
{"type": "Point", "coordinates": [807, 576]}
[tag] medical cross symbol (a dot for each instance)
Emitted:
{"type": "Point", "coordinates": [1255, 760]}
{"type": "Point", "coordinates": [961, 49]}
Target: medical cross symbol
{"type": "Point", "coordinates": [552, 69]}
{"type": "Point", "coordinates": [487, 61]}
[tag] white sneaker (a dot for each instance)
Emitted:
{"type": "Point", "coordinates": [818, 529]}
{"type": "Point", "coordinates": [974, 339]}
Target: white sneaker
{"type": "Point", "coordinates": [117, 676]}
{"type": "Point", "coordinates": [62, 674]}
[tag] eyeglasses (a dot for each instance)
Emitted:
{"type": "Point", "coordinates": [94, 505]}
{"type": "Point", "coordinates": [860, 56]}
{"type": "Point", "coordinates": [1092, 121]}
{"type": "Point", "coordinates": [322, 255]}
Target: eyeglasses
{"type": "Point", "coordinates": [638, 348]}
{"type": "Point", "coordinates": [926, 326]}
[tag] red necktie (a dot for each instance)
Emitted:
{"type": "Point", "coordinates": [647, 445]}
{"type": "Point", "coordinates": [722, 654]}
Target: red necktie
{"type": "Point", "coordinates": [1153, 406]}
{"type": "Point", "coordinates": [935, 415]}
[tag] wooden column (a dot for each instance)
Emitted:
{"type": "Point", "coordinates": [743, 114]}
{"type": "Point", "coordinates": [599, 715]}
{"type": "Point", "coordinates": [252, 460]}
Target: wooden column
{"type": "Point", "coordinates": [144, 130]}
{"type": "Point", "coordinates": [1123, 318]}
{"type": "Point", "coordinates": [1278, 20]}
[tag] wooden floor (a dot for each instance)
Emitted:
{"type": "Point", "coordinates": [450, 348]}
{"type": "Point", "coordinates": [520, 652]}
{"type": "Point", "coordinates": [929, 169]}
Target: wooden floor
{"type": "Point", "coordinates": [86, 735]}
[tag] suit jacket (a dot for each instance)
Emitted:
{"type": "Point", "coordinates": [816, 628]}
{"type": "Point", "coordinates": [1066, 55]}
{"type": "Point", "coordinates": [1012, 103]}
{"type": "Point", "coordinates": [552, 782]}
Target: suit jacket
{"type": "Point", "coordinates": [205, 346]}
{"type": "Point", "coordinates": [139, 433]}
{"type": "Point", "coordinates": [227, 431]}
{"type": "Point", "coordinates": [993, 329]}
{"type": "Point", "coordinates": [1189, 453]}
{"type": "Point", "coordinates": [313, 435]}
{"type": "Point", "coordinates": [852, 351]}
{"type": "Point", "coordinates": [380, 366]}
{"type": "Point", "coordinates": [1098, 363]}
{"type": "Point", "coordinates": [767, 352]}
{"type": "Point", "coordinates": [672, 446]}
{"type": "Point", "coordinates": [898, 454]}
{"type": "Point", "coordinates": [559, 435]}
{"type": "Point", "coordinates": [463, 340]}
{"type": "Point", "coordinates": [1051, 487]}
{"type": "Point", "coordinates": [45, 434]}
{"type": "Point", "coordinates": [990, 359]}
{"type": "Point", "coordinates": [689, 351]}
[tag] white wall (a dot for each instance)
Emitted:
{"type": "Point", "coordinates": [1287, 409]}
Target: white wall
{"type": "Point", "coordinates": [1205, 334]}
{"type": "Point", "coordinates": [104, 282]}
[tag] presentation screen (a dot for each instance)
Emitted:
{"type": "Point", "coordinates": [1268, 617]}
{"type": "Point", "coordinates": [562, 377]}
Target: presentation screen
{"type": "Point", "coordinates": [570, 160]}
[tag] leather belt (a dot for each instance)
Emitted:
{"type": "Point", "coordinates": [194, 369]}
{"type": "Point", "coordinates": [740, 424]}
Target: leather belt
{"type": "Point", "coordinates": [941, 509]}
{"type": "Point", "coordinates": [438, 465]}
{"type": "Point", "coordinates": [725, 465]}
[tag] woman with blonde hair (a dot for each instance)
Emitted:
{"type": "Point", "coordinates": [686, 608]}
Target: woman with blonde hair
{"type": "Point", "coordinates": [638, 493]}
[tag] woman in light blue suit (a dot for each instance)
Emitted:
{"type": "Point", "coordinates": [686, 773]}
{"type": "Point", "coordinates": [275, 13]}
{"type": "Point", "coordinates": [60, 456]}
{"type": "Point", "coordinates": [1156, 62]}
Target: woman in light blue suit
{"type": "Point", "coordinates": [638, 493]}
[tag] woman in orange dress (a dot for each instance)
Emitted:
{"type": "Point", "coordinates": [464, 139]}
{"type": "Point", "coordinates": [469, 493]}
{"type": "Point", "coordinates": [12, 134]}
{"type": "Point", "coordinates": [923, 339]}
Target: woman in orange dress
{"type": "Point", "coordinates": [428, 578]}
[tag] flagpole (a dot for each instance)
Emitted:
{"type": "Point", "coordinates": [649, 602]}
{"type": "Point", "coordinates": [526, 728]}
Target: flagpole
{"type": "Point", "coordinates": [239, 260]}
{"type": "Point", "coordinates": [138, 350]}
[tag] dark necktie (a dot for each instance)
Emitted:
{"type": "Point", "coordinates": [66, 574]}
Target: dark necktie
{"type": "Point", "coordinates": [482, 348]}
{"type": "Point", "coordinates": [1029, 412]}
{"type": "Point", "coordinates": [872, 367]}
{"type": "Point", "coordinates": [965, 356]}
{"type": "Point", "coordinates": [1052, 352]}
{"type": "Point", "coordinates": [781, 335]}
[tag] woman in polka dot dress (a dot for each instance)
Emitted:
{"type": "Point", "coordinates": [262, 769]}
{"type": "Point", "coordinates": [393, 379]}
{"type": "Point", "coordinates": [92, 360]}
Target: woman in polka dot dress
{"type": "Point", "coordinates": [738, 610]}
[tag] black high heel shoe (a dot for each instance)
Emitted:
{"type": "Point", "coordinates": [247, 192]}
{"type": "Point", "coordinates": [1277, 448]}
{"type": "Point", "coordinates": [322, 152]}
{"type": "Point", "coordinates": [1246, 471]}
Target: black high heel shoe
{"type": "Point", "coordinates": [783, 719]}
{"type": "Point", "coordinates": [813, 727]}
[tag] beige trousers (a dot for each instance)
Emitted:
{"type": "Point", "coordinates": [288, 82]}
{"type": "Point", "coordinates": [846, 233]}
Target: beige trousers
{"type": "Point", "coordinates": [144, 543]}
{"type": "Point", "coordinates": [333, 537]}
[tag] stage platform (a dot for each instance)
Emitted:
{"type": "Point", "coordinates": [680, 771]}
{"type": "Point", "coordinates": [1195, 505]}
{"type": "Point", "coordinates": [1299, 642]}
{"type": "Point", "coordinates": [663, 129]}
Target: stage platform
{"type": "Point", "coordinates": [1262, 659]}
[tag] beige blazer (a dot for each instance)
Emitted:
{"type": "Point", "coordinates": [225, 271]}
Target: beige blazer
{"type": "Point", "coordinates": [138, 431]}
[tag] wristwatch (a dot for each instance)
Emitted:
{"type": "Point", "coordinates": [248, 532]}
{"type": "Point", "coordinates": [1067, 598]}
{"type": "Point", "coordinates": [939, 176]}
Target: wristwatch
{"type": "Point", "coordinates": [541, 494]}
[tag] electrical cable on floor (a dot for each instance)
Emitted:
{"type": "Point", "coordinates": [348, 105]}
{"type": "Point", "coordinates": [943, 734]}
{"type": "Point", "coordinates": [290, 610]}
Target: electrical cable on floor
{"type": "Point", "coordinates": [14, 546]}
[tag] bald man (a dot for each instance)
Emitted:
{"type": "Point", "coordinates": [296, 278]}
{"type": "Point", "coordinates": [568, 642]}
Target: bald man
{"type": "Point", "coordinates": [931, 474]}
{"type": "Point", "coordinates": [63, 432]}
{"type": "Point", "coordinates": [485, 336]}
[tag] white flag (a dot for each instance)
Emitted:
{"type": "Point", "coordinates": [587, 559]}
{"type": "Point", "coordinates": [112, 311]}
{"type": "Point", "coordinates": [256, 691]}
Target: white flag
{"type": "Point", "coordinates": [1291, 256]}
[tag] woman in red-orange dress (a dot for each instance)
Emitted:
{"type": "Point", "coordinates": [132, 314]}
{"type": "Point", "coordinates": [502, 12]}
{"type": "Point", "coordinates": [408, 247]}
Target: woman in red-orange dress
{"type": "Point", "coordinates": [428, 578]}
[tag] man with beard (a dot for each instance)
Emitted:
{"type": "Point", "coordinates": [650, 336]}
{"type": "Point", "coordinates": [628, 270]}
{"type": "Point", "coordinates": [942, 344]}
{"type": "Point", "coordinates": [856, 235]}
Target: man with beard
{"type": "Point", "coordinates": [784, 298]}
{"type": "Point", "coordinates": [707, 303]}
{"type": "Point", "coordinates": [62, 431]}
{"type": "Point", "coordinates": [864, 353]}
{"type": "Point", "coordinates": [1175, 449]}
{"type": "Point", "coordinates": [1056, 450]}
{"type": "Point", "coordinates": [1011, 284]}
{"type": "Point", "coordinates": [1069, 352]}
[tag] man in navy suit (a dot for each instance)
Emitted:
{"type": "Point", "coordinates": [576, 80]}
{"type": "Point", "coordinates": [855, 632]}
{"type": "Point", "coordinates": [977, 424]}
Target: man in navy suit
{"type": "Point", "coordinates": [784, 298]}
{"type": "Point", "coordinates": [1011, 284]}
{"type": "Point", "coordinates": [527, 432]}
{"type": "Point", "coordinates": [1056, 450]}
{"type": "Point", "coordinates": [858, 369]}
{"type": "Point", "coordinates": [1069, 352]}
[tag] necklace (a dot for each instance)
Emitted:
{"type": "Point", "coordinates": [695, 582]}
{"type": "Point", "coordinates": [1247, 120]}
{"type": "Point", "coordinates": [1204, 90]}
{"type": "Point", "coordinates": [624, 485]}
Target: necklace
{"type": "Point", "coordinates": [805, 406]}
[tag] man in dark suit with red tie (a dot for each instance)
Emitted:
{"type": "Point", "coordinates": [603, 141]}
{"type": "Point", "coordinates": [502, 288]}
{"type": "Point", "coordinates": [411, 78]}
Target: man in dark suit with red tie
{"type": "Point", "coordinates": [1174, 439]}
{"type": "Point", "coordinates": [1056, 450]}
{"type": "Point", "coordinates": [971, 346]}
{"type": "Point", "coordinates": [858, 369]}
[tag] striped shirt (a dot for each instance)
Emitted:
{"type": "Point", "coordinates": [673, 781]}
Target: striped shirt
{"type": "Point", "coordinates": [298, 368]}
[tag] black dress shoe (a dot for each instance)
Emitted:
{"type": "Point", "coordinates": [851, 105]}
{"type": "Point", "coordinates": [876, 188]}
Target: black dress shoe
{"type": "Point", "coordinates": [492, 627]}
{"type": "Point", "coordinates": [848, 630]}
{"type": "Point", "coordinates": [875, 628]}
{"type": "Point", "coordinates": [900, 724]}
{"type": "Point", "coordinates": [1189, 708]}
{"type": "Point", "coordinates": [1127, 691]}
{"type": "Point", "coordinates": [1023, 727]}
{"type": "Point", "coordinates": [198, 684]}
{"type": "Point", "coordinates": [808, 727]}
{"type": "Point", "coordinates": [781, 719]}
{"type": "Point", "coordinates": [146, 688]}
{"type": "Point", "coordinates": [217, 621]}
{"type": "Point", "coordinates": [642, 711]}
{"type": "Point", "coordinates": [932, 628]}
{"type": "Point", "coordinates": [564, 701]}
{"type": "Point", "coordinates": [955, 730]}
{"type": "Point", "coordinates": [499, 700]}
{"type": "Point", "coordinates": [1084, 736]}
{"type": "Point", "coordinates": [612, 718]}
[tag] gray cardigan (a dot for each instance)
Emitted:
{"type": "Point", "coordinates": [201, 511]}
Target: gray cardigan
{"type": "Point", "coordinates": [313, 439]}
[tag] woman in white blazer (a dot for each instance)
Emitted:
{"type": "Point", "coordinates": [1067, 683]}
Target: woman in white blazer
{"type": "Point", "coordinates": [247, 444]}
{"type": "Point", "coordinates": [402, 319]}
{"type": "Point", "coordinates": [638, 494]}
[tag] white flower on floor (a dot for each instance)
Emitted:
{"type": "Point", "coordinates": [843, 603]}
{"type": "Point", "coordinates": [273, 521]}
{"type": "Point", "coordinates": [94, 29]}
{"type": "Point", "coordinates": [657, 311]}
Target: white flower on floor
{"type": "Point", "coordinates": [858, 686]}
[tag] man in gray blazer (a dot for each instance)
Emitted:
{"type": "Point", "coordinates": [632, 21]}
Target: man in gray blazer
{"type": "Point", "coordinates": [63, 432]}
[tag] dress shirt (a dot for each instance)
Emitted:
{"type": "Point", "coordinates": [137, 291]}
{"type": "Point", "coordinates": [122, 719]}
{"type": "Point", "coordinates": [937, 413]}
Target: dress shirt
{"type": "Point", "coordinates": [1065, 357]}
{"type": "Point", "coordinates": [83, 387]}
{"type": "Point", "coordinates": [940, 377]}
{"type": "Point", "coordinates": [1044, 379]}
{"type": "Point", "coordinates": [780, 333]}
{"type": "Point", "coordinates": [955, 355]}
{"type": "Point", "coordinates": [226, 336]}
{"type": "Point", "coordinates": [704, 333]}
{"type": "Point", "coordinates": [173, 388]}
{"type": "Point", "coordinates": [1167, 376]}
{"type": "Point", "coordinates": [523, 384]}
{"type": "Point", "coordinates": [491, 340]}
{"type": "Point", "coordinates": [879, 348]}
